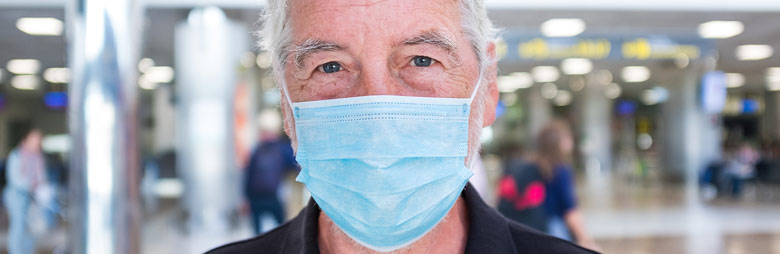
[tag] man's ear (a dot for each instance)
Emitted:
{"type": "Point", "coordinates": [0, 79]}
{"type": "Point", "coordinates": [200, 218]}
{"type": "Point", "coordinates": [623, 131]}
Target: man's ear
{"type": "Point", "coordinates": [491, 100]}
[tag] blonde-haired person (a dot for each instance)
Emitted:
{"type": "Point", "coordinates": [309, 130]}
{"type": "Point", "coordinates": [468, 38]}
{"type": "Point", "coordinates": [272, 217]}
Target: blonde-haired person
{"type": "Point", "coordinates": [555, 145]}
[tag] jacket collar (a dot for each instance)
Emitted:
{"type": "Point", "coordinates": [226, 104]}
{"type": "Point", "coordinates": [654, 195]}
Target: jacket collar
{"type": "Point", "coordinates": [488, 230]}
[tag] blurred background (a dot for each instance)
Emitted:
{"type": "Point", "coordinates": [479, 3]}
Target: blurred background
{"type": "Point", "coordinates": [154, 117]}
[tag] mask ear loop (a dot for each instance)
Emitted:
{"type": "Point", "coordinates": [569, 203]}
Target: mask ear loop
{"type": "Point", "coordinates": [287, 96]}
{"type": "Point", "coordinates": [471, 99]}
{"type": "Point", "coordinates": [476, 89]}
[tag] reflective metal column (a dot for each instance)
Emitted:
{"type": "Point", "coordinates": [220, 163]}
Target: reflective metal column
{"type": "Point", "coordinates": [208, 49]}
{"type": "Point", "coordinates": [103, 52]}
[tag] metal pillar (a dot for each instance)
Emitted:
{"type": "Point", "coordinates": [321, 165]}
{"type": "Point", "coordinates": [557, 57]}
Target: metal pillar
{"type": "Point", "coordinates": [103, 52]}
{"type": "Point", "coordinates": [208, 48]}
{"type": "Point", "coordinates": [594, 121]}
{"type": "Point", "coordinates": [692, 137]}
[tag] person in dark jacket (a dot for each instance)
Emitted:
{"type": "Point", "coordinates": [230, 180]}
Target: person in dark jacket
{"type": "Point", "coordinates": [269, 162]}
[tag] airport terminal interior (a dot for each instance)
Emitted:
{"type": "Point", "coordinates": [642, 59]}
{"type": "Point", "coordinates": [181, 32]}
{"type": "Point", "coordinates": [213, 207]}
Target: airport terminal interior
{"type": "Point", "coordinates": [660, 99]}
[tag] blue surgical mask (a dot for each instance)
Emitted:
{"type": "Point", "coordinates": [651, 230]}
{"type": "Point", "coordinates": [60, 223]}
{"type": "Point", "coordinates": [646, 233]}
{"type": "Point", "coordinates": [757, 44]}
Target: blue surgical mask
{"type": "Point", "coordinates": [385, 169]}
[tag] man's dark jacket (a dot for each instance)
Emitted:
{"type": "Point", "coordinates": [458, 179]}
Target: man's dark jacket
{"type": "Point", "coordinates": [489, 232]}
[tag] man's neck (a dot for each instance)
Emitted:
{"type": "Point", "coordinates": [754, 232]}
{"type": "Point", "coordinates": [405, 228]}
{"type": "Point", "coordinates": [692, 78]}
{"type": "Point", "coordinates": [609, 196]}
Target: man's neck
{"type": "Point", "coordinates": [449, 236]}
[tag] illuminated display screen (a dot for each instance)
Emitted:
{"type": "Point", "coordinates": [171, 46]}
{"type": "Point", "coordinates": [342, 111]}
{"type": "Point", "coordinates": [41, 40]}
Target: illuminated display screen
{"type": "Point", "coordinates": [55, 100]}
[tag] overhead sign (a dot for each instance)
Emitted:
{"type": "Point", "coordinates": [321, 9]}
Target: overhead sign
{"type": "Point", "coordinates": [536, 48]}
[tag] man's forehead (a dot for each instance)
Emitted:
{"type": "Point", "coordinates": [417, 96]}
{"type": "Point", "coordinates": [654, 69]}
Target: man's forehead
{"type": "Point", "coordinates": [331, 20]}
{"type": "Point", "coordinates": [313, 6]}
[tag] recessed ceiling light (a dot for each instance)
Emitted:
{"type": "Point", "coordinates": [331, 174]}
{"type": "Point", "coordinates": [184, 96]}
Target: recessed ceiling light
{"type": "Point", "coordinates": [516, 80]}
{"type": "Point", "coordinates": [145, 84]}
{"type": "Point", "coordinates": [612, 91]}
{"type": "Point", "coordinates": [145, 64]}
{"type": "Point", "coordinates": [160, 74]}
{"type": "Point", "coordinates": [563, 27]}
{"type": "Point", "coordinates": [773, 79]}
{"type": "Point", "coordinates": [635, 74]}
{"type": "Point", "coordinates": [576, 83]}
{"type": "Point", "coordinates": [549, 90]}
{"type": "Point", "coordinates": [654, 96]}
{"type": "Point", "coordinates": [604, 77]}
{"type": "Point", "coordinates": [576, 66]}
{"type": "Point", "coordinates": [263, 60]}
{"type": "Point", "coordinates": [734, 80]}
{"type": "Point", "coordinates": [248, 59]}
{"type": "Point", "coordinates": [544, 74]}
{"type": "Point", "coordinates": [23, 66]}
{"type": "Point", "coordinates": [40, 26]}
{"type": "Point", "coordinates": [563, 98]}
{"type": "Point", "coordinates": [720, 29]}
{"type": "Point", "coordinates": [57, 75]}
{"type": "Point", "coordinates": [754, 52]}
{"type": "Point", "coordinates": [25, 82]}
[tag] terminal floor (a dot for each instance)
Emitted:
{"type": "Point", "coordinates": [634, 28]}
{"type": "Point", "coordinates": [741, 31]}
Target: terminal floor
{"type": "Point", "coordinates": [623, 217]}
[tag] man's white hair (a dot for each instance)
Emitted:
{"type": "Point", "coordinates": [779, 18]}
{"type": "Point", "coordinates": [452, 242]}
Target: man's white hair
{"type": "Point", "coordinates": [276, 32]}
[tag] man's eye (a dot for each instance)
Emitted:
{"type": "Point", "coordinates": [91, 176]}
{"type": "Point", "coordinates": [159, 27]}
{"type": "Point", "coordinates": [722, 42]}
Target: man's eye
{"type": "Point", "coordinates": [330, 67]}
{"type": "Point", "coordinates": [422, 61]}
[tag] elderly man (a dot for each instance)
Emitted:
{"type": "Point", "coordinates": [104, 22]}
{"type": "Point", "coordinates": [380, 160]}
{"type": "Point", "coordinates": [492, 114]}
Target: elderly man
{"type": "Point", "coordinates": [384, 101]}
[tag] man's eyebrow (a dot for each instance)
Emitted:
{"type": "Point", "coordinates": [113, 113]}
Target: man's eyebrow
{"type": "Point", "coordinates": [433, 37]}
{"type": "Point", "coordinates": [311, 46]}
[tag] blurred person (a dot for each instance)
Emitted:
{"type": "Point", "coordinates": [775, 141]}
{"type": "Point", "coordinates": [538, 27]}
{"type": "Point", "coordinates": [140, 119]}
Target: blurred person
{"type": "Point", "coordinates": [740, 166]}
{"type": "Point", "coordinates": [522, 190]}
{"type": "Point", "coordinates": [555, 145]}
{"type": "Point", "coordinates": [384, 102]}
{"type": "Point", "coordinates": [25, 173]}
{"type": "Point", "coordinates": [272, 157]}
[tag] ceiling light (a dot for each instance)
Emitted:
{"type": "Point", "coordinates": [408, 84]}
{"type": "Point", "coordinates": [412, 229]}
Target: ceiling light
{"type": "Point", "coordinates": [56, 75]}
{"type": "Point", "coordinates": [682, 60]}
{"type": "Point", "coordinates": [544, 74]}
{"type": "Point", "coordinates": [720, 29]}
{"type": "Point", "coordinates": [754, 52]}
{"type": "Point", "coordinates": [576, 83]}
{"type": "Point", "coordinates": [635, 74]}
{"type": "Point", "coordinates": [734, 80]}
{"type": "Point", "coordinates": [509, 99]}
{"type": "Point", "coordinates": [773, 79]}
{"type": "Point", "coordinates": [612, 91]}
{"type": "Point", "coordinates": [563, 27]}
{"type": "Point", "coordinates": [604, 77]}
{"type": "Point", "coordinates": [549, 91]}
{"type": "Point", "coordinates": [40, 26]}
{"type": "Point", "coordinates": [576, 66]}
{"type": "Point", "coordinates": [517, 80]}
{"type": "Point", "coordinates": [654, 96]}
{"type": "Point", "coordinates": [248, 59]}
{"type": "Point", "coordinates": [264, 60]}
{"type": "Point", "coordinates": [145, 83]}
{"type": "Point", "coordinates": [25, 82]}
{"type": "Point", "coordinates": [160, 74]}
{"type": "Point", "coordinates": [23, 66]}
{"type": "Point", "coordinates": [563, 98]}
{"type": "Point", "coordinates": [145, 64]}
